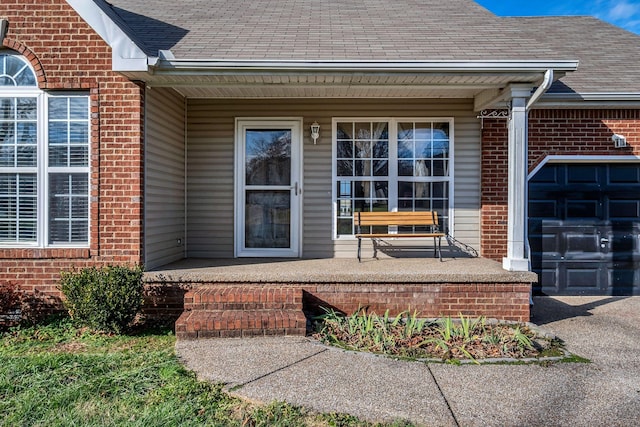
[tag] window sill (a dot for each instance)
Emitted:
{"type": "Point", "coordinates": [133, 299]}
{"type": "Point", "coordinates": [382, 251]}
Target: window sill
{"type": "Point", "coordinates": [50, 253]}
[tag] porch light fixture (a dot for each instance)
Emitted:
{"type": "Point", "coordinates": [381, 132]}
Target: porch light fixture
{"type": "Point", "coordinates": [315, 131]}
{"type": "Point", "coordinates": [619, 141]}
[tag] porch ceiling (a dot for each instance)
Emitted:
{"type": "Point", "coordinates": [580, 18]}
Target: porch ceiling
{"type": "Point", "coordinates": [334, 85]}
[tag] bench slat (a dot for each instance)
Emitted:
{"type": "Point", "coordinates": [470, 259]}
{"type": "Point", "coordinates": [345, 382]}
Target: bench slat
{"type": "Point", "coordinates": [395, 221]}
{"type": "Point", "coordinates": [377, 235]}
{"type": "Point", "coordinates": [398, 219]}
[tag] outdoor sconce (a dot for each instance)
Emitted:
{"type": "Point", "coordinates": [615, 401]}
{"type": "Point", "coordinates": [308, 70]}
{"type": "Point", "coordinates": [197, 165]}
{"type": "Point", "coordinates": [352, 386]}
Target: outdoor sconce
{"type": "Point", "coordinates": [315, 131]}
{"type": "Point", "coordinates": [619, 141]}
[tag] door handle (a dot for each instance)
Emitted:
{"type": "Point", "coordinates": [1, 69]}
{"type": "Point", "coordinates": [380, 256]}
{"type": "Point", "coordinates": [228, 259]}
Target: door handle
{"type": "Point", "coordinates": [603, 242]}
{"type": "Point", "coordinates": [295, 188]}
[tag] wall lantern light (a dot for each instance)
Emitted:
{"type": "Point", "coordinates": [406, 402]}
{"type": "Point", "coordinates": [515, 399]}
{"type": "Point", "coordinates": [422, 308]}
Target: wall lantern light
{"type": "Point", "coordinates": [619, 141]}
{"type": "Point", "coordinates": [315, 131]}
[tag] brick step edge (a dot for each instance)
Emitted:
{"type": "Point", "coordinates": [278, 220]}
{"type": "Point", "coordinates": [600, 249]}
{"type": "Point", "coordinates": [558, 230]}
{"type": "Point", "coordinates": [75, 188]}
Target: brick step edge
{"type": "Point", "coordinates": [243, 306]}
{"type": "Point", "coordinates": [243, 297]}
{"type": "Point", "coordinates": [236, 324]}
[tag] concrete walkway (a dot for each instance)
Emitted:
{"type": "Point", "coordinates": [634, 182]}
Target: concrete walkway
{"type": "Point", "coordinates": [605, 392]}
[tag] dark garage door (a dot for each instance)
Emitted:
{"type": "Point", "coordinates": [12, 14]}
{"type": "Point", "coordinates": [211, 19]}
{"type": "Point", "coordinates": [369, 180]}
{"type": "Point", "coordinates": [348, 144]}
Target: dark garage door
{"type": "Point", "coordinates": [584, 229]}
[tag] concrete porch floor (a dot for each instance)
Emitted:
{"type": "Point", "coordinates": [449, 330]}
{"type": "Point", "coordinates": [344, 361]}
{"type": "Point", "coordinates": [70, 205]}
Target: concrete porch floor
{"type": "Point", "coordinates": [337, 270]}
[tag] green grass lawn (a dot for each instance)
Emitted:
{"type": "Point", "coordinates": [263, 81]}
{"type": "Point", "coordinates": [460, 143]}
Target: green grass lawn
{"type": "Point", "coordinates": [58, 375]}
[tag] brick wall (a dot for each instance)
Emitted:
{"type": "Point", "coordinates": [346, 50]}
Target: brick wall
{"type": "Point", "coordinates": [507, 301]}
{"type": "Point", "coordinates": [68, 55]}
{"type": "Point", "coordinates": [551, 132]}
{"type": "Point", "coordinates": [493, 209]}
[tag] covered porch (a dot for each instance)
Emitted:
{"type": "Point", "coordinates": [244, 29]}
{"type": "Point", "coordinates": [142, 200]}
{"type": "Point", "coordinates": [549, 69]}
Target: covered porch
{"type": "Point", "coordinates": [249, 297]}
{"type": "Point", "coordinates": [380, 143]}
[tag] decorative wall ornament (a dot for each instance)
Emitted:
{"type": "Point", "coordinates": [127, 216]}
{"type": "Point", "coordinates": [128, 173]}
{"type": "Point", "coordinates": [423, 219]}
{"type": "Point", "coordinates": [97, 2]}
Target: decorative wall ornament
{"type": "Point", "coordinates": [493, 114]}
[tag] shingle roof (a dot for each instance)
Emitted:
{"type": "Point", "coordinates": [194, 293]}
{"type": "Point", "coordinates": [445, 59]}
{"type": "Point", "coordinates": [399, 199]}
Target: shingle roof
{"type": "Point", "coordinates": [381, 30]}
{"type": "Point", "coordinates": [321, 29]}
{"type": "Point", "coordinates": [609, 56]}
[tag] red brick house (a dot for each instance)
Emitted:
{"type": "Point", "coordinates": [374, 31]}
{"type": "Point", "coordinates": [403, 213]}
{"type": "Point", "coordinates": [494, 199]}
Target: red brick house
{"type": "Point", "coordinates": [147, 134]}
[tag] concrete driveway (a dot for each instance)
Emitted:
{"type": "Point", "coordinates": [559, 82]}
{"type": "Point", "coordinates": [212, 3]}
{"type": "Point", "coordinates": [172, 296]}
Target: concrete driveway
{"type": "Point", "coordinates": [605, 392]}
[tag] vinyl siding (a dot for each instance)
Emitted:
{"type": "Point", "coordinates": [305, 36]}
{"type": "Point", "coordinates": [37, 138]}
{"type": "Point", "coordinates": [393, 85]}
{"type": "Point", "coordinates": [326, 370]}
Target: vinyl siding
{"type": "Point", "coordinates": [210, 146]}
{"type": "Point", "coordinates": [165, 219]}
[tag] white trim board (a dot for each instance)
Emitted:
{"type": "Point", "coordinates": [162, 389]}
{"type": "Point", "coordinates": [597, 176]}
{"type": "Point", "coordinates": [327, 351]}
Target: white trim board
{"type": "Point", "coordinates": [582, 159]}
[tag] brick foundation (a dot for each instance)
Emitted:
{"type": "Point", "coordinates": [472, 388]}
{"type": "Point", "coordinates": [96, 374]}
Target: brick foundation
{"type": "Point", "coordinates": [507, 301]}
{"type": "Point", "coordinates": [234, 310]}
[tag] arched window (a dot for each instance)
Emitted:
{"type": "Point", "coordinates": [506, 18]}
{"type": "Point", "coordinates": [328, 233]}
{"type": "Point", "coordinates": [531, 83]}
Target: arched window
{"type": "Point", "coordinates": [44, 161]}
{"type": "Point", "coordinates": [15, 71]}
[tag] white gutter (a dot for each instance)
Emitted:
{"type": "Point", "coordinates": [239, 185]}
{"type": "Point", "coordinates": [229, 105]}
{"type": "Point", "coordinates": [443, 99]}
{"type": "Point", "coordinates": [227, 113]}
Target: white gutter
{"type": "Point", "coordinates": [590, 100]}
{"type": "Point", "coordinates": [546, 84]}
{"type": "Point", "coordinates": [126, 54]}
{"type": "Point", "coordinates": [177, 65]}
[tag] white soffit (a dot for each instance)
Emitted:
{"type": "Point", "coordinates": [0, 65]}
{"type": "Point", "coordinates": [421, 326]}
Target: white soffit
{"type": "Point", "coordinates": [339, 78]}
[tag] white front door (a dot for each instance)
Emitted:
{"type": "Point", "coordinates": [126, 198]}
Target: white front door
{"type": "Point", "coordinates": [268, 187]}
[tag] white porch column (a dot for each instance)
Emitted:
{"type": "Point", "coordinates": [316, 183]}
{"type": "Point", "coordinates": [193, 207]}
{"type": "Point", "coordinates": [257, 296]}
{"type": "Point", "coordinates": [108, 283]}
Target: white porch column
{"type": "Point", "coordinates": [517, 257]}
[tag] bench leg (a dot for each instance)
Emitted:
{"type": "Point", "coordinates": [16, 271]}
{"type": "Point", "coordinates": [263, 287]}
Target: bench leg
{"type": "Point", "coordinates": [375, 248]}
{"type": "Point", "coordinates": [439, 248]}
{"type": "Point", "coordinates": [359, 246]}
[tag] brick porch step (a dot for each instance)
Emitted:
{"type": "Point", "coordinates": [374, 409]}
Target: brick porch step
{"type": "Point", "coordinates": [241, 311]}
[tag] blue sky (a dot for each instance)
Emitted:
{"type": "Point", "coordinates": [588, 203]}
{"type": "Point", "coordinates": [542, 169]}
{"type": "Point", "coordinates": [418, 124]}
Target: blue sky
{"type": "Point", "coordinates": [623, 13]}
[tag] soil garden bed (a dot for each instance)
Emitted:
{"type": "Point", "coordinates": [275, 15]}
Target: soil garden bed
{"type": "Point", "coordinates": [447, 339]}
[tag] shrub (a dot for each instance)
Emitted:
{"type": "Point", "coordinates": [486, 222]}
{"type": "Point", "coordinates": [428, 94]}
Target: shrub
{"type": "Point", "coordinates": [10, 304]}
{"type": "Point", "coordinates": [104, 299]}
{"type": "Point", "coordinates": [10, 297]}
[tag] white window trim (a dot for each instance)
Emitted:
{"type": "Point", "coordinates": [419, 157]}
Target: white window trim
{"type": "Point", "coordinates": [42, 169]}
{"type": "Point", "coordinates": [393, 165]}
{"type": "Point", "coordinates": [63, 169]}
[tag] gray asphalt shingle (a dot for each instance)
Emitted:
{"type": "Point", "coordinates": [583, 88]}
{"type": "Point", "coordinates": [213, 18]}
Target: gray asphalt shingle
{"type": "Point", "coordinates": [381, 30]}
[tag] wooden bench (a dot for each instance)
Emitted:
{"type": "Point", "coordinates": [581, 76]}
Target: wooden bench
{"type": "Point", "coordinates": [430, 219]}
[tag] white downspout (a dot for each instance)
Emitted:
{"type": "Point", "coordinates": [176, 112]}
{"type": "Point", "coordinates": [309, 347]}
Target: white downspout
{"type": "Point", "coordinates": [546, 84]}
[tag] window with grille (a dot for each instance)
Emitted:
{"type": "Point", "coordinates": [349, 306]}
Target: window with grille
{"type": "Point", "coordinates": [44, 161]}
{"type": "Point", "coordinates": [391, 165]}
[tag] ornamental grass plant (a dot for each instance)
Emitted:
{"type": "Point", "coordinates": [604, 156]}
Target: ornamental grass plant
{"type": "Point", "coordinates": [449, 339]}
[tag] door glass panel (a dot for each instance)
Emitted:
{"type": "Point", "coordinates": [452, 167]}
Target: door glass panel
{"type": "Point", "coordinates": [268, 157]}
{"type": "Point", "coordinates": [267, 219]}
